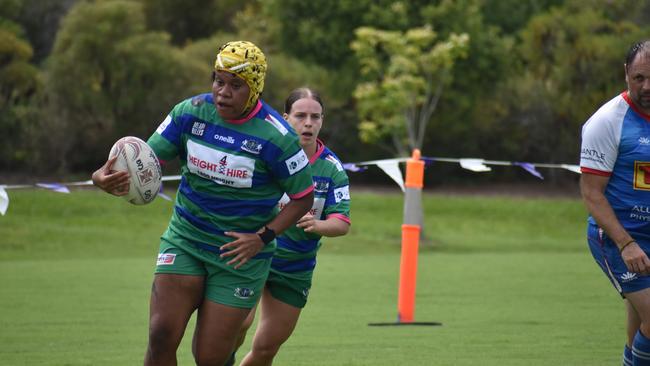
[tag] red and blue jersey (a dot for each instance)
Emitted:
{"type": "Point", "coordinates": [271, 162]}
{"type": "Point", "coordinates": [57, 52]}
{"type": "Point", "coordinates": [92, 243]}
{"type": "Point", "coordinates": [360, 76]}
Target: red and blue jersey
{"type": "Point", "coordinates": [616, 144]}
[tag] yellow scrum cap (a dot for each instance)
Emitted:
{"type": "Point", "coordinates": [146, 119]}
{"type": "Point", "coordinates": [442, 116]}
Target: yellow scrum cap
{"type": "Point", "coordinates": [247, 61]}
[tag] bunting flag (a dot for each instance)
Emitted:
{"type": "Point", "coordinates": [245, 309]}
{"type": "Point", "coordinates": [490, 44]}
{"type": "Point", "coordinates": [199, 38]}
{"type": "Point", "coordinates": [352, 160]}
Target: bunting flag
{"type": "Point", "coordinates": [56, 187]}
{"type": "Point", "coordinates": [4, 201]}
{"type": "Point", "coordinates": [388, 166]}
{"type": "Point", "coordinates": [475, 165]}
{"type": "Point", "coordinates": [391, 168]}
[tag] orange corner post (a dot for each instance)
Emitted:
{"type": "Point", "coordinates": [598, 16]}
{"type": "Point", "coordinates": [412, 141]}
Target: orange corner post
{"type": "Point", "coordinates": [408, 273]}
{"type": "Point", "coordinates": [410, 238]}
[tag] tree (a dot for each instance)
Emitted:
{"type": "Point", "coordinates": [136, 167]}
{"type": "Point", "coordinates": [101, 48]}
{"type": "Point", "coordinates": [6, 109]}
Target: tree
{"type": "Point", "coordinates": [405, 75]}
{"type": "Point", "coordinates": [573, 62]}
{"type": "Point", "coordinates": [109, 77]}
{"type": "Point", "coordinates": [19, 83]}
{"type": "Point", "coordinates": [189, 21]}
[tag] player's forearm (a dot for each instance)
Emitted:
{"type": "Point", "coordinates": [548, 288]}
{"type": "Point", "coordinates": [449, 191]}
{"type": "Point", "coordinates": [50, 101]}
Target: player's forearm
{"type": "Point", "coordinates": [294, 210]}
{"type": "Point", "coordinates": [602, 212]}
{"type": "Point", "coordinates": [332, 227]}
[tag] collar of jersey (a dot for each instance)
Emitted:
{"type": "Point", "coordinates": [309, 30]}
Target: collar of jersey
{"type": "Point", "coordinates": [248, 116]}
{"type": "Point", "coordinates": [634, 107]}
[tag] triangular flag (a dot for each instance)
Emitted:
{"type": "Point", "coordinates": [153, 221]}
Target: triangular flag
{"type": "Point", "coordinates": [475, 165]}
{"type": "Point", "coordinates": [573, 168]}
{"type": "Point", "coordinates": [4, 201]}
{"type": "Point", "coordinates": [530, 168]}
{"type": "Point", "coordinates": [391, 167]}
{"type": "Point", "coordinates": [354, 167]}
{"type": "Point", "coordinates": [56, 187]}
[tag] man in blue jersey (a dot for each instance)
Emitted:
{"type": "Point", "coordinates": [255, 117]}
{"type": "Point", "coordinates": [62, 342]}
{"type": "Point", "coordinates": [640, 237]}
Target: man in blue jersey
{"type": "Point", "coordinates": [615, 185]}
{"type": "Point", "coordinates": [238, 158]}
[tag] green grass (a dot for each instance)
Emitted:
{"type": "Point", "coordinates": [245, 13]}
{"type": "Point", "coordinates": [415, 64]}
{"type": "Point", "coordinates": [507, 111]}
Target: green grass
{"type": "Point", "coordinates": [511, 279]}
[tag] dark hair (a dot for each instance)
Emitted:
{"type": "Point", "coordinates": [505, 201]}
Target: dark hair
{"type": "Point", "coordinates": [300, 93]}
{"type": "Point", "coordinates": [643, 46]}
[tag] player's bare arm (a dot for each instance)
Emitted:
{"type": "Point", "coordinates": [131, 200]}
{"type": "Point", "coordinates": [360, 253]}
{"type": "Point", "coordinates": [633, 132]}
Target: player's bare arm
{"type": "Point", "coordinates": [329, 227]}
{"type": "Point", "coordinates": [592, 188]}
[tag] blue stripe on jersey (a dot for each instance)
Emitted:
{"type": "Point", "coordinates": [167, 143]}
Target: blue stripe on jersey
{"type": "Point", "coordinates": [331, 198]}
{"type": "Point", "coordinates": [198, 223]}
{"type": "Point", "coordinates": [231, 140]}
{"type": "Point", "coordinates": [293, 266]}
{"type": "Point", "coordinates": [302, 246]}
{"type": "Point", "coordinates": [226, 207]}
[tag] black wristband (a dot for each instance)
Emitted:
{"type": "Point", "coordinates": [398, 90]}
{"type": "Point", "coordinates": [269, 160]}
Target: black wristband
{"type": "Point", "coordinates": [620, 250]}
{"type": "Point", "coordinates": [267, 235]}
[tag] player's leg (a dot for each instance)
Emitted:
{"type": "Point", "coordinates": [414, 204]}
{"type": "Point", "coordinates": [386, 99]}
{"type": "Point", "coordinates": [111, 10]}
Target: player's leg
{"type": "Point", "coordinates": [277, 321]}
{"type": "Point", "coordinates": [640, 301]}
{"type": "Point", "coordinates": [242, 336]}
{"type": "Point", "coordinates": [173, 300]}
{"type": "Point", "coordinates": [229, 297]}
{"type": "Point", "coordinates": [217, 330]}
{"type": "Point", "coordinates": [633, 324]}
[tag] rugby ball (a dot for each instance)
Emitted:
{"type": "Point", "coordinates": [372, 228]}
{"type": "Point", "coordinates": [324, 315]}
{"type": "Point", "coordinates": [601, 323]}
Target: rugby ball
{"type": "Point", "coordinates": [136, 157]}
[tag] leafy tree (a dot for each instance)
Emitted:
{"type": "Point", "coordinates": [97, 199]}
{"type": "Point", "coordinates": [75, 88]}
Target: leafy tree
{"type": "Point", "coordinates": [405, 73]}
{"type": "Point", "coordinates": [512, 15]}
{"type": "Point", "coordinates": [19, 83]}
{"type": "Point", "coordinates": [191, 20]}
{"type": "Point", "coordinates": [108, 77]}
{"type": "Point", "coordinates": [573, 58]}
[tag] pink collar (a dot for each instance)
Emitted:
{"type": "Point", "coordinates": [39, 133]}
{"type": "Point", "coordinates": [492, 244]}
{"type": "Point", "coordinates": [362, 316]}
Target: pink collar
{"type": "Point", "coordinates": [320, 147]}
{"type": "Point", "coordinates": [248, 116]}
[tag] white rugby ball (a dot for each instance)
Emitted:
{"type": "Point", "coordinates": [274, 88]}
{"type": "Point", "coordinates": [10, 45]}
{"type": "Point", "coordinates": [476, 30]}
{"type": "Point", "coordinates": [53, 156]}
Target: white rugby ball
{"type": "Point", "coordinates": [136, 157]}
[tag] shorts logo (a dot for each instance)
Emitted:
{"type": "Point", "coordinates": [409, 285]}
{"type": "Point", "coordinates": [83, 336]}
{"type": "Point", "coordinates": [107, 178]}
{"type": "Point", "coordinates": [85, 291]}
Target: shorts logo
{"type": "Point", "coordinates": [298, 161]}
{"type": "Point", "coordinates": [644, 141]}
{"type": "Point", "coordinates": [305, 292]}
{"type": "Point", "coordinates": [198, 128]}
{"type": "Point", "coordinates": [628, 276]}
{"type": "Point", "coordinates": [243, 293]}
{"type": "Point", "coordinates": [642, 175]}
{"type": "Point", "coordinates": [165, 259]}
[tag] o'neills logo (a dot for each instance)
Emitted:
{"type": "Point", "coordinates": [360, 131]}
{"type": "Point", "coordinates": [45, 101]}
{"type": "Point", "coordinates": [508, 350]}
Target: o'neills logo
{"type": "Point", "coordinates": [226, 139]}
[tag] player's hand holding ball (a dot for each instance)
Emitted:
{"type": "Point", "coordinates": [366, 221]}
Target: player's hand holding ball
{"type": "Point", "coordinates": [132, 171]}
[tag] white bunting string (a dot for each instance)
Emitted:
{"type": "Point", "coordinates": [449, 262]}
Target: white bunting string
{"type": "Point", "coordinates": [388, 166]}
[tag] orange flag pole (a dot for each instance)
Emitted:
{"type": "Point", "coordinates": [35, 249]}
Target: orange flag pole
{"type": "Point", "coordinates": [410, 242]}
{"type": "Point", "coordinates": [410, 238]}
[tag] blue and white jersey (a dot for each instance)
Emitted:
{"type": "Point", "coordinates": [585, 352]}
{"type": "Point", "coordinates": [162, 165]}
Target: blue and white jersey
{"type": "Point", "coordinates": [616, 144]}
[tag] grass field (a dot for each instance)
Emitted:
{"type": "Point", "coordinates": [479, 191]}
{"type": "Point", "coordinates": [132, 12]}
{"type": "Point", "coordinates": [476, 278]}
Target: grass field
{"type": "Point", "coordinates": [511, 280]}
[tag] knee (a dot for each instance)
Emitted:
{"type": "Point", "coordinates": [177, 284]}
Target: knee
{"type": "Point", "coordinates": [265, 350]}
{"type": "Point", "coordinates": [161, 337]}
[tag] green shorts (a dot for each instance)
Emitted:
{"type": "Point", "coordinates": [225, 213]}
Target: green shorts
{"type": "Point", "coordinates": [225, 285]}
{"type": "Point", "coordinates": [290, 288]}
